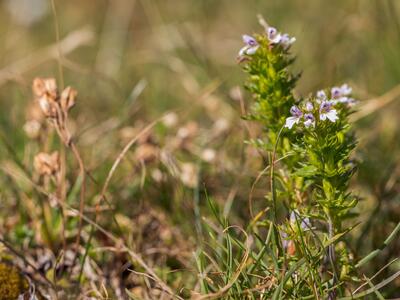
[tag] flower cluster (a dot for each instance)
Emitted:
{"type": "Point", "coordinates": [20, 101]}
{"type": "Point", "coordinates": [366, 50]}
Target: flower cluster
{"type": "Point", "coordinates": [274, 37]}
{"type": "Point", "coordinates": [337, 95]}
{"type": "Point", "coordinates": [55, 106]}
{"type": "Point", "coordinates": [277, 38]}
{"type": "Point", "coordinates": [251, 45]}
{"type": "Point", "coordinates": [321, 107]}
{"type": "Point", "coordinates": [50, 101]}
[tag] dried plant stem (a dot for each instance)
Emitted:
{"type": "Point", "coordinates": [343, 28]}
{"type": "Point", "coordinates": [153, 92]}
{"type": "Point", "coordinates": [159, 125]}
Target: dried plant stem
{"type": "Point", "coordinates": [123, 153]}
{"type": "Point", "coordinates": [61, 195]}
{"type": "Point", "coordinates": [57, 31]}
{"type": "Point", "coordinates": [122, 247]}
{"type": "Point", "coordinates": [82, 173]}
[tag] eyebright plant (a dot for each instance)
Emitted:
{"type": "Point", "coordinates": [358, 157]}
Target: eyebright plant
{"type": "Point", "coordinates": [316, 132]}
{"type": "Point", "coordinates": [297, 247]}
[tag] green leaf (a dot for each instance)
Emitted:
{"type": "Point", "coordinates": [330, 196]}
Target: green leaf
{"type": "Point", "coordinates": [307, 171]}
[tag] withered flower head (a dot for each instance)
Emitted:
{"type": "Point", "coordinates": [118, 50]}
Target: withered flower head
{"type": "Point", "coordinates": [46, 93]}
{"type": "Point", "coordinates": [45, 87]}
{"type": "Point", "coordinates": [55, 106]}
{"type": "Point", "coordinates": [47, 164]}
{"type": "Point", "coordinates": [67, 99]}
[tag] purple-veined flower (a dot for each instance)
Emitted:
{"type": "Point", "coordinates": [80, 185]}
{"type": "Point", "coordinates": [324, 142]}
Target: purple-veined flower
{"type": "Point", "coordinates": [336, 92]}
{"type": "Point", "coordinates": [304, 222]}
{"type": "Point", "coordinates": [294, 219]}
{"type": "Point", "coordinates": [273, 35]}
{"type": "Point", "coordinates": [326, 112]}
{"type": "Point", "coordinates": [309, 120]}
{"type": "Point", "coordinates": [296, 116]}
{"type": "Point", "coordinates": [285, 240]}
{"type": "Point", "coordinates": [287, 41]}
{"type": "Point", "coordinates": [346, 89]}
{"type": "Point", "coordinates": [342, 91]}
{"type": "Point", "coordinates": [321, 96]}
{"type": "Point", "coordinates": [340, 95]}
{"type": "Point", "coordinates": [309, 106]}
{"type": "Point", "coordinates": [251, 45]}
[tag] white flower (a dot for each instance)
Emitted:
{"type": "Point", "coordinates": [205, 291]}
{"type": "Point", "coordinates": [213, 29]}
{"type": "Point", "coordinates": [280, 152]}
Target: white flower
{"type": "Point", "coordinates": [345, 89]}
{"type": "Point", "coordinates": [309, 120]}
{"type": "Point", "coordinates": [287, 41]}
{"type": "Point", "coordinates": [336, 92]}
{"type": "Point", "coordinates": [309, 106]}
{"type": "Point", "coordinates": [276, 37]}
{"type": "Point", "coordinates": [321, 96]}
{"type": "Point", "coordinates": [296, 116]}
{"type": "Point", "coordinates": [326, 112]}
{"type": "Point", "coordinates": [273, 35]}
{"type": "Point", "coordinates": [251, 45]}
{"type": "Point", "coordinates": [341, 92]}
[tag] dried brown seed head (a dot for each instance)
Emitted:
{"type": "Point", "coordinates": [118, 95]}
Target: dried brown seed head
{"type": "Point", "coordinates": [67, 98]}
{"type": "Point", "coordinates": [46, 93]}
{"type": "Point", "coordinates": [45, 87]}
{"type": "Point", "coordinates": [47, 164]}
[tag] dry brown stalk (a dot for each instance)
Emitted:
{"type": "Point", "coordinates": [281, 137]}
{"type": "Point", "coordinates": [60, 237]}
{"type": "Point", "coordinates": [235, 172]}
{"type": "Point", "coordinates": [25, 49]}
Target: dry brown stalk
{"type": "Point", "coordinates": [72, 41]}
{"type": "Point", "coordinates": [56, 106]}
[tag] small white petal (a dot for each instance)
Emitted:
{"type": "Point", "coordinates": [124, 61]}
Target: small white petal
{"type": "Point", "coordinates": [346, 89]}
{"type": "Point", "coordinates": [293, 216]}
{"type": "Point", "coordinates": [252, 50]}
{"type": "Point", "coordinates": [334, 101]}
{"type": "Point", "coordinates": [305, 223]}
{"type": "Point", "coordinates": [243, 50]}
{"type": "Point", "coordinates": [321, 95]}
{"type": "Point", "coordinates": [332, 115]}
{"type": "Point", "coordinates": [276, 39]}
{"type": "Point", "coordinates": [291, 121]}
{"type": "Point", "coordinates": [309, 123]}
{"type": "Point", "coordinates": [249, 40]}
{"type": "Point", "coordinates": [322, 117]}
{"type": "Point", "coordinates": [343, 100]}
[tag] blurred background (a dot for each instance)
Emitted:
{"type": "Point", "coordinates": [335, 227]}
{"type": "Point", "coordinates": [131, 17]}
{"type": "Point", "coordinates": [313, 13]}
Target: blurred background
{"type": "Point", "coordinates": [135, 60]}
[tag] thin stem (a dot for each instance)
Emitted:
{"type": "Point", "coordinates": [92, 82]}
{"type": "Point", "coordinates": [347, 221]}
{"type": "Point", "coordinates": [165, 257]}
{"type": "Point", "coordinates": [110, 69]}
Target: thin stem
{"type": "Point", "coordinates": [332, 255]}
{"type": "Point", "coordinates": [57, 30]}
{"type": "Point", "coordinates": [272, 179]}
{"type": "Point", "coordinates": [273, 194]}
{"type": "Point", "coordinates": [92, 230]}
{"type": "Point", "coordinates": [82, 193]}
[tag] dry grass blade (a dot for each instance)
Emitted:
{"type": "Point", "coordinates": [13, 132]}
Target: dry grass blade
{"type": "Point", "coordinates": [72, 41]}
{"type": "Point", "coordinates": [135, 256]}
{"type": "Point", "coordinates": [253, 186]}
{"type": "Point", "coordinates": [124, 151]}
{"type": "Point", "coordinates": [375, 104]}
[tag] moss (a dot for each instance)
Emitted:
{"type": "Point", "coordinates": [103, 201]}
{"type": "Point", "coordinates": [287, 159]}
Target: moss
{"type": "Point", "coordinates": [12, 283]}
